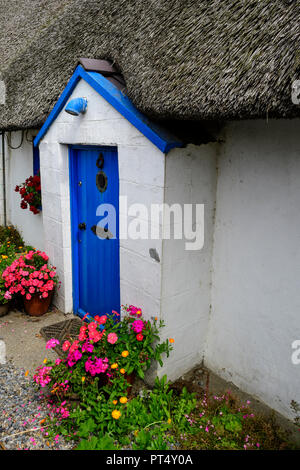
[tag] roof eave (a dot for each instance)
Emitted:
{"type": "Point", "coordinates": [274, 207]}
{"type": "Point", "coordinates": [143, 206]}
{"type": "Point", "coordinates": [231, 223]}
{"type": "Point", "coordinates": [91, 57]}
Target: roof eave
{"type": "Point", "coordinates": [156, 134]}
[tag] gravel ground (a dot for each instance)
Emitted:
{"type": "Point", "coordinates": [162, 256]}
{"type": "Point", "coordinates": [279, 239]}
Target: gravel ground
{"type": "Point", "coordinates": [21, 410]}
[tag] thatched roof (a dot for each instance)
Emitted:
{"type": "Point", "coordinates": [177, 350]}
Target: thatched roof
{"type": "Point", "coordinates": [190, 59]}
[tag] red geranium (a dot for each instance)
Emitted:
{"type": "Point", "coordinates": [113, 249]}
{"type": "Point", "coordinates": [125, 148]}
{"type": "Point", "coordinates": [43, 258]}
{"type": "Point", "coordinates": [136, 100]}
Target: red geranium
{"type": "Point", "coordinates": [139, 337]}
{"type": "Point", "coordinates": [30, 193]}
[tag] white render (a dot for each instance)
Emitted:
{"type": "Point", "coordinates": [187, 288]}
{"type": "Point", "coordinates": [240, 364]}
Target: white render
{"type": "Point", "coordinates": [19, 166]}
{"type": "Point", "coordinates": [255, 313]}
{"type": "Point", "coordinates": [232, 305]}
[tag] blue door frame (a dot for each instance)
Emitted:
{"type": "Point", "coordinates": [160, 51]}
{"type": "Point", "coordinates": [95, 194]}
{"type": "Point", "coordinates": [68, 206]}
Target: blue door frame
{"type": "Point", "coordinates": [95, 261]}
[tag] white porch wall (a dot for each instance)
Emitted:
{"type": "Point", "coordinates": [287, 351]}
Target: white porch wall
{"type": "Point", "coordinates": [256, 261]}
{"type": "Point", "coordinates": [19, 165]}
{"type": "Point", "coordinates": [141, 173]}
{"type": "Point", "coordinates": [186, 275]}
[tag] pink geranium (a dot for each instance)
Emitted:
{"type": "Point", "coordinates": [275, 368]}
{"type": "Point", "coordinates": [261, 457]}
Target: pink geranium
{"type": "Point", "coordinates": [112, 338]}
{"type": "Point", "coordinates": [96, 366]}
{"type": "Point", "coordinates": [66, 346]}
{"type": "Point", "coordinates": [52, 343]}
{"type": "Point", "coordinates": [138, 326]}
{"type": "Point", "coordinates": [134, 311]}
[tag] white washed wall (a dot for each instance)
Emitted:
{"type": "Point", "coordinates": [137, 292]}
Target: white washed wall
{"type": "Point", "coordinates": [19, 165]}
{"type": "Point", "coordinates": [141, 172]}
{"type": "Point", "coordinates": [256, 264]}
{"type": "Point", "coordinates": [186, 275]}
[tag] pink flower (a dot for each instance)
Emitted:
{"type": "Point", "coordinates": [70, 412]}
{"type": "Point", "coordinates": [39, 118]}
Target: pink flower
{"type": "Point", "coordinates": [138, 326]}
{"type": "Point", "coordinates": [134, 311]}
{"type": "Point", "coordinates": [28, 296]}
{"type": "Point", "coordinates": [102, 320]}
{"type": "Point", "coordinates": [66, 346]}
{"type": "Point", "coordinates": [74, 346]}
{"type": "Point", "coordinates": [7, 295]}
{"type": "Point", "coordinates": [74, 357]}
{"type": "Point", "coordinates": [87, 347]}
{"type": "Point", "coordinates": [52, 343]}
{"type": "Point", "coordinates": [97, 366]}
{"type": "Point", "coordinates": [112, 338]}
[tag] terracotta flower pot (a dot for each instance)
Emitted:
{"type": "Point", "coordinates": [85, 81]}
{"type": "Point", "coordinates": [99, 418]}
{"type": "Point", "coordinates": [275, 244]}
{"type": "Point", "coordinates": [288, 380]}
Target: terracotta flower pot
{"type": "Point", "coordinates": [5, 308]}
{"type": "Point", "coordinates": [37, 306]}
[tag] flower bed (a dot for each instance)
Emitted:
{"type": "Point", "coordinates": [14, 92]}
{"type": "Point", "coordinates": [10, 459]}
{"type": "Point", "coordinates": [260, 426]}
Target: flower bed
{"type": "Point", "coordinates": [90, 400]}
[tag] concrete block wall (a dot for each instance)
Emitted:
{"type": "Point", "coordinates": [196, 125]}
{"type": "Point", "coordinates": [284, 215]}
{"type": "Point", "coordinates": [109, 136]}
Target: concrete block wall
{"type": "Point", "coordinates": [1, 184]}
{"type": "Point", "coordinates": [186, 275]}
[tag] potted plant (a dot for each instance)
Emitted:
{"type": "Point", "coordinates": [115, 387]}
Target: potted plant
{"type": "Point", "coordinates": [30, 193]}
{"type": "Point", "coordinates": [34, 279]}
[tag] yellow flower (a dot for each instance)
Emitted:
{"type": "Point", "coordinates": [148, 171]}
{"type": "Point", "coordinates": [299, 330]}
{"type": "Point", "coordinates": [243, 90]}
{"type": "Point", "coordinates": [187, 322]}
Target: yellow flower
{"type": "Point", "coordinates": [136, 432]}
{"type": "Point", "coordinates": [122, 371]}
{"type": "Point", "coordinates": [20, 247]}
{"type": "Point", "coordinates": [115, 402]}
{"type": "Point", "coordinates": [116, 414]}
{"type": "Point", "coordinates": [169, 421]}
{"type": "Point", "coordinates": [4, 256]}
{"type": "Point", "coordinates": [82, 379]}
{"type": "Point", "coordinates": [114, 366]}
{"type": "Point", "coordinates": [26, 373]}
{"type": "Point", "coordinates": [45, 360]}
{"type": "Point", "coordinates": [171, 340]}
{"type": "Point", "coordinates": [123, 400]}
{"type": "Point", "coordinates": [125, 353]}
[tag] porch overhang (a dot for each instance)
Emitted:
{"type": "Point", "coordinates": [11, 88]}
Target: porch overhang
{"type": "Point", "coordinates": [113, 95]}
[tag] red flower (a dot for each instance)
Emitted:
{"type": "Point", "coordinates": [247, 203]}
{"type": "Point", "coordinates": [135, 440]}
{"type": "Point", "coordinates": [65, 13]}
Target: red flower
{"type": "Point", "coordinates": [17, 189]}
{"type": "Point", "coordinates": [139, 337]}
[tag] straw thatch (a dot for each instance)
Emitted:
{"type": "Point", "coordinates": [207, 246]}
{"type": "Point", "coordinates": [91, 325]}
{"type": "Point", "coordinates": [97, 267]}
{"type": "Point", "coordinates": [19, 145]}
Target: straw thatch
{"type": "Point", "coordinates": [181, 59]}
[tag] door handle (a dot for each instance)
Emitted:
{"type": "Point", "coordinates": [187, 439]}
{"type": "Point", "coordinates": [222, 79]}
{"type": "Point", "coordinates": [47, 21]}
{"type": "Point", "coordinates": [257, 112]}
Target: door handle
{"type": "Point", "coordinates": [82, 226]}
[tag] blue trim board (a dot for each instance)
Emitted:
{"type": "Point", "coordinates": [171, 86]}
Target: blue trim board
{"type": "Point", "coordinates": [74, 213]}
{"type": "Point", "coordinates": [156, 134]}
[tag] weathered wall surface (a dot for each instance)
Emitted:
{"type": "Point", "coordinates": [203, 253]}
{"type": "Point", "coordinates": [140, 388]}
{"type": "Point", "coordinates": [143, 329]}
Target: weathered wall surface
{"type": "Point", "coordinates": [19, 165]}
{"type": "Point", "coordinates": [256, 261]}
{"type": "Point", "coordinates": [186, 274]}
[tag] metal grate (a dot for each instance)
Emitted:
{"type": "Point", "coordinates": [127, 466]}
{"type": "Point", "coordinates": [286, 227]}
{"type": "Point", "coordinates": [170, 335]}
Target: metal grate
{"type": "Point", "coordinates": [64, 330]}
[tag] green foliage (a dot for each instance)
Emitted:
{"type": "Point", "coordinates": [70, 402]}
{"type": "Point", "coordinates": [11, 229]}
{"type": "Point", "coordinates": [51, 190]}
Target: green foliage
{"type": "Point", "coordinates": [11, 234]}
{"type": "Point", "coordinates": [97, 443]}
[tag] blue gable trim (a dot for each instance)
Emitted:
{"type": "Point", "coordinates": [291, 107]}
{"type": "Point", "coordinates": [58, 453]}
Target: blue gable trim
{"type": "Point", "coordinates": [157, 135]}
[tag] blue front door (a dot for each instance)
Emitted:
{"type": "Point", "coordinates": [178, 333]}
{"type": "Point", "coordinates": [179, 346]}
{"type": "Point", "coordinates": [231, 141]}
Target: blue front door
{"type": "Point", "coordinates": [94, 183]}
